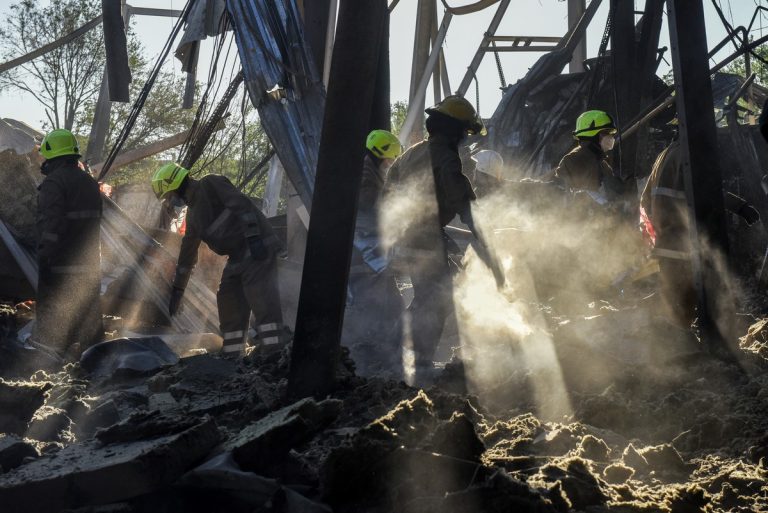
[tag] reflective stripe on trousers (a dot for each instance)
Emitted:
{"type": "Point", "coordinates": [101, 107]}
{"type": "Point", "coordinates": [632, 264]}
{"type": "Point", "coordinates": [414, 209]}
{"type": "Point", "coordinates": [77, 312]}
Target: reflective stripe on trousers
{"type": "Point", "coordinates": [269, 333]}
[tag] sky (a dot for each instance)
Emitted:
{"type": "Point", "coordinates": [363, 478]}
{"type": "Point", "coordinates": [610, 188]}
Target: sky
{"type": "Point", "coordinates": [523, 18]}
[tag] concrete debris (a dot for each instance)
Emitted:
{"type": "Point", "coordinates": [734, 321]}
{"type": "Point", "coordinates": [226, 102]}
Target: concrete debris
{"type": "Point", "coordinates": [692, 440]}
{"type": "Point", "coordinates": [91, 474]}
{"type": "Point", "coordinates": [222, 481]}
{"type": "Point", "coordinates": [261, 444]}
{"type": "Point", "coordinates": [617, 473]}
{"type": "Point", "coordinates": [18, 404]}
{"type": "Point", "coordinates": [51, 425]}
{"type": "Point", "coordinates": [142, 425]}
{"type": "Point", "coordinates": [13, 452]}
{"type": "Point", "coordinates": [457, 438]}
{"type": "Point", "coordinates": [125, 357]}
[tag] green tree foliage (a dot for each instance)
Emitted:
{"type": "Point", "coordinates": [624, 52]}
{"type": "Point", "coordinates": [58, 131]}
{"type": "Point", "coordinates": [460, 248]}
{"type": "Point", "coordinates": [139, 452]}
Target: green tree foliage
{"type": "Point", "coordinates": [62, 80]}
{"type": "Point", "coordinates": [399, 111]}
{"type": "Point", "coordinates": [738, 67]}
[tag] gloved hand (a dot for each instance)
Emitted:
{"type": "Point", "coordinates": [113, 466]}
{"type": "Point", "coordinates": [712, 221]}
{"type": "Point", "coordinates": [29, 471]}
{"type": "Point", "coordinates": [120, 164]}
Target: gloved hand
{"type": "Point", "coordinates": [257, 248]}
{"type": "Point", "coordinates": [175, 302]}
{"type": "Point", "coordinates": [749, 214]}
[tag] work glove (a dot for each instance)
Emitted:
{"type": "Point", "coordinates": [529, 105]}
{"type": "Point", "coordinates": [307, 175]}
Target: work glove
{"type": "Point", "coordinates": [257, 248]}
{"type": "Point", "coordinates": [749, 214]}
{"type": "Point", "coordinates": [175, 302]}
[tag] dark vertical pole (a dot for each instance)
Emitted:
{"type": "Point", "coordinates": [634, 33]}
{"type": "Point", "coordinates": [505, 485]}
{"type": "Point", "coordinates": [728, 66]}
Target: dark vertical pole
{"type": "Point", "coordinates": [419, 63]}
{"type": "Point", "coordinates": [576, 9]}
{"type": "Point", "coordinates": [626, 95]}
{"type": "Point", "coordinates": [334, 204]}
{"type": "Point", "coordinates": [381, 113]}
{"type": "Point", "coordinates": [436, 73]}
{"type": "Point", "coordinates": [316, 28]}
{"type": "Point", "coordinates": [650, 29]}
{"type": "Point", "coordinates": [97, 138]}
{"type": "Point", "coordinates": [700, 159]}
{"type": "Point", "coordinates": [116, 46]}
{"type": "Point", "coordinates": [189, 90]}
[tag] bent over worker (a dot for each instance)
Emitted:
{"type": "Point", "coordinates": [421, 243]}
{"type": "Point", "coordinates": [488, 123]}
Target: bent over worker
{"type": "Point", "coordinates": [230, 224]}
{"type": "Point", "coordinates": [430, 175]}
{"type": "Point", "coordinates": [69, 209]}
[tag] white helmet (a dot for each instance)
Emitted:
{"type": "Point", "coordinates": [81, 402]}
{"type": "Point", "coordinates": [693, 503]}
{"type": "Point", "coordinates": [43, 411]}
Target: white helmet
{"type": "Point", "coordinates": [489, 162]}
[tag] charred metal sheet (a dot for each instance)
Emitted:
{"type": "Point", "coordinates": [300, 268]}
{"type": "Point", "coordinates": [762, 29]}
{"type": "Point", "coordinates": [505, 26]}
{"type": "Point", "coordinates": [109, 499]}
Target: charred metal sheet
{"type": "Point", "coordinates": [283, 83]}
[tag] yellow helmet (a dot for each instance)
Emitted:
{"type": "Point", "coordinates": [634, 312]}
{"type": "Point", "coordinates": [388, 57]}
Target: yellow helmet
{"type": "Point", "coordinates": [456, 107]}
{"type": "Point", "coordinates": [383, 144]}
{"type": "Point", "coordinates": [592, 122]}
{"type": "Point", "coordinates": [59, 143]}
{"type": "Point", "coordinates": [168, 179]}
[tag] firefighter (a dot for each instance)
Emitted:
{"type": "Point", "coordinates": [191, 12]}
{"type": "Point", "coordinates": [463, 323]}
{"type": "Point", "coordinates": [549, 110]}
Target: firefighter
{"type": "Point", "coordinates": [586, 167]}
{"type": "Point", "coordinates": [372, 285]}
{"type": "Point", "coordinates": [489, 166]}
{"type": "Point", "coordinates": [664, 202]}
{"type": "Point", "coordinates": [430, 176]}
{"type": "Point", "coordinates": [69, 209]}
{"type": "Point", "coordinates": [230, 224]}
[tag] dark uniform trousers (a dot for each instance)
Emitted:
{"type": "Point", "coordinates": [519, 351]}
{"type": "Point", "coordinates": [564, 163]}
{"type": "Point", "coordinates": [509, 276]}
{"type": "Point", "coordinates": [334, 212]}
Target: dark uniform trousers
{"type": "Point", "coordinates": [432, 301]}
{"type": "Point", "coordinates": [68, 308]}
{"type": "Point", "coordinates": [249, 286]}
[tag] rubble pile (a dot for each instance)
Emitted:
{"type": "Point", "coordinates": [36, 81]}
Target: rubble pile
{"type": "Point", "coordinates": [676, 432]}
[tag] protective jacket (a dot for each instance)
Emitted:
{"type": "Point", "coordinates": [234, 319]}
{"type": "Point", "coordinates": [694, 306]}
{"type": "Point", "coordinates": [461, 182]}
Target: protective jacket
{"type": "Point", "coordinates": [69, 255]}
{"type": "Point", "coordinates": [584, 168]}
{"type": "Point", "coordinates": [430, 173]}
{"type": "Point", "coordinates": [664, 201]}
{"type": "Point", "coordinates": [222, 217]}
{"type": "Point", "coordinates": [371, 189]}
{"type": "Point", "coordinates": [69, 211]}
{"type": "Point", "coordinates": [371, 255]}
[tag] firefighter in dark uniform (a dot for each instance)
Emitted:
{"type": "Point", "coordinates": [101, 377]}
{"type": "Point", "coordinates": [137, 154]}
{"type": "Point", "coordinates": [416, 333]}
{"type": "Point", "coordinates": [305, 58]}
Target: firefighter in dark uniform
{"type": "Point", "coordinates": [230, 224]}
{"type": "Point", "coordinates": [664, 201]}
{"type": "Point", "coordinates": [69, 208]}
{"type": "Point", "coordinates": [372, 326]}
{"type": "Point", "coordinates": [430, 174]}
{"type": "Point", "coordinates": [586, 167]}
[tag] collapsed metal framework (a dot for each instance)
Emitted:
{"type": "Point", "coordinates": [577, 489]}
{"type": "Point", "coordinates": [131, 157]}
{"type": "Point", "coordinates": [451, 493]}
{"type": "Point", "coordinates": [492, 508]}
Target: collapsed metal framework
{"type": "Point", "coordinates": [286, 86]}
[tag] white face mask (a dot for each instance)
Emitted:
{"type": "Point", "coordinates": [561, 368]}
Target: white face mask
{"type": "Point", "coordinates": [606, 142]}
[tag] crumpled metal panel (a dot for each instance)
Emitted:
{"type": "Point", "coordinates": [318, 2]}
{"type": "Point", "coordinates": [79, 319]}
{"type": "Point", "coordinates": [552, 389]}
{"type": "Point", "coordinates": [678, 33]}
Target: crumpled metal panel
{"type": "Point", "coordinates": [275, 57]}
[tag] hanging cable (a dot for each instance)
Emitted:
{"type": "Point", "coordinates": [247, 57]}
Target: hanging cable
{"type": "Point", "coordinates": [144, 94]}
{"type": "Point", "coordinates": [198, 143]}
{"type": "Point", "coordinates": [477, 93]}
{"type": "Point", "coordinates": [502, 79]}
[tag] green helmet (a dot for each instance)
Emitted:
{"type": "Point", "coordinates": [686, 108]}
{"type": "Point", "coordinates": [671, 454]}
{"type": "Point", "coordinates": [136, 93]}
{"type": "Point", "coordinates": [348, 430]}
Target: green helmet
{"type": "Point", "coordinates": [383, 144]}
{"type": "Point", "coordinates": [168, 179]}
{"type": "Point", "coordinates": [59, 143]}
{"type": "Point", "coordinates": [592, 122]}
